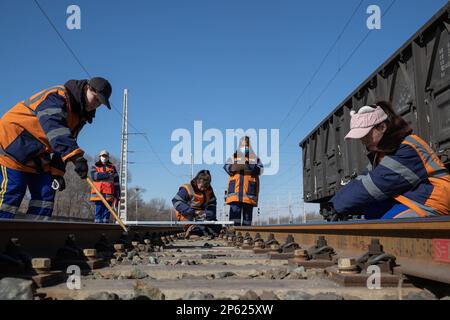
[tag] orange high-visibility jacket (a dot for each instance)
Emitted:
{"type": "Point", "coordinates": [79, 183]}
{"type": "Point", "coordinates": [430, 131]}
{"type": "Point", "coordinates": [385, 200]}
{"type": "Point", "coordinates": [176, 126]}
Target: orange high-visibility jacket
{"type": "Point", "coordinates": [106, 180]}
{"type": "Point", "coordinates": [39, 133]}
{"type": "Point", "coordinates": [186, 206]}
{"type": "Point", "coordinates": [187, 201]}
{"type": "Point", "coordinates": [243, 185]}
{"type": "Point", "coordinates": [413, 175]}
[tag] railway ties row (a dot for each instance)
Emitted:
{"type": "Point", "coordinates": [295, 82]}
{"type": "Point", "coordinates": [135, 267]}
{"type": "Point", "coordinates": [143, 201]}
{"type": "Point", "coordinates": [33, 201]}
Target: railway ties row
{"type": "Point", "coordinates": [46, 266]}
{"type": "Point", "coordinates": [344, 270]}
{"type": "Point", "coordinates": [238, 264]}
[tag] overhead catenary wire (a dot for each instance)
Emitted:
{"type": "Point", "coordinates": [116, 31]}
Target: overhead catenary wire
{"type": "Point", "coordinates": [288, 169]}
{"type": "Point", "coordinates": [292, 108]}
{"type": "Point", "coordinates": [322, 62]}
{"type": "Point", "coordinates": [334, 77]}
{"type": "Point", "coordinates": [66, 44]}
{"type": "Point", "coordinates": [325, 89]}
{"type": "Point", "coordinates": [62, 38]}
{"type": "Point", "coordinates": [332, 47]}
{"type": "Point", "coordinates": [284, 183]}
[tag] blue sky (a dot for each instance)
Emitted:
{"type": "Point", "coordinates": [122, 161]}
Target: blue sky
{"type": "Point", "coordinates": [231, 64]}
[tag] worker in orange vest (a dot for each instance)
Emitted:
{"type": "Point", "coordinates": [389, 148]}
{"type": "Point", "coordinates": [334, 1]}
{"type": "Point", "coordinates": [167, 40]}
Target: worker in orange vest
{"type": "Point", "coordinates": [195, 201]}
{"type": "Point", "coordinates": [106, 180]}
{"type": "Point", "coordinates": [38, 137]}
{"type": "Point", "coordinates": [244, 169]}
{"type": "Point", "coordinates": [404, 178]}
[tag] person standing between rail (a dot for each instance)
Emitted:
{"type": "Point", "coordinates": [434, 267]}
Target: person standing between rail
{"type": "Point", "coordinates": [38, 137]}
{"type": "Point", "coordinates": [244, 169]}
{"type": "Point", "coordinates": [106, 180]}
{"type": "Point", "coordinates": [196, 201]}
{"type": "Point", "coordinates": [404, 178]}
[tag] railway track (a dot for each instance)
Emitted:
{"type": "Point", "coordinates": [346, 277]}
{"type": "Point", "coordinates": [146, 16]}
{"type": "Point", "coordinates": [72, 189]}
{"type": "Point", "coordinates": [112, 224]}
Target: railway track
{"type": "Point", "coordinates": [298, 262]}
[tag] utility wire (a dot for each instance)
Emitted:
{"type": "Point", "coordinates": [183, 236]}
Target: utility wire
{"type": "Point", "coordinates": [89, 75]}
{"type": "Point", "coordinates": [61, 37]}
{"type": "Point", "coordinates": [358, 6]}
{"type": "Point", "coordinates": [322, 63]}
{"type": "Point", "coordinates": [328, 85]}
{"type": "Point", "coordinates": [334, 76]}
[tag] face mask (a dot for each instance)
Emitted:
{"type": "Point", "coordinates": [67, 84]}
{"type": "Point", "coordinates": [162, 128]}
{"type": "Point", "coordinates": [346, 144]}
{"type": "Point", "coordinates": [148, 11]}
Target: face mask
{"type": "Point", "coordinates": [244, 150]}
{"type": "Point", "coordinates": [104, 159]}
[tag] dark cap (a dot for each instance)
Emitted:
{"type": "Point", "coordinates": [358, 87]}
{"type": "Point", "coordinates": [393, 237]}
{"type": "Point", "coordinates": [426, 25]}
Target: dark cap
{"type": "Point", "coordinates": [103, 89]}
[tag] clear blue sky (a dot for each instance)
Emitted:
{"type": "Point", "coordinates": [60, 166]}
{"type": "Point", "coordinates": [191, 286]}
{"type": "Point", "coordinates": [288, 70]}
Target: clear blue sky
{"type": "Point", "coordinates": [231, 64]}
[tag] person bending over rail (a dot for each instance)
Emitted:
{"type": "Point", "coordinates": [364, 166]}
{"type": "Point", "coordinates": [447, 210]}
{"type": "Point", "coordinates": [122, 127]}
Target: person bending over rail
{"type": "Point", "coordinates": [195, 201]}
{"type": "Point", "coordinates": [38, 137]}
{"type": "Point", "coordinates": [404, 178]}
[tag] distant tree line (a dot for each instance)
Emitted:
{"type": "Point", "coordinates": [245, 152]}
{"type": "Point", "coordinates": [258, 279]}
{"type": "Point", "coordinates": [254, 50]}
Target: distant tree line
{"type": "Point", "coordinates": [310, 216]}
{"type": "Point", "coordinates": [73, 202]}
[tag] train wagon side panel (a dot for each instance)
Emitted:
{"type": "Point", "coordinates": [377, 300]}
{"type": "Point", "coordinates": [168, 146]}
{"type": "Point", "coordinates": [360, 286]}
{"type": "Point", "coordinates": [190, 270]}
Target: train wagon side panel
{"type": "Point", "coordinates": [417, 81]}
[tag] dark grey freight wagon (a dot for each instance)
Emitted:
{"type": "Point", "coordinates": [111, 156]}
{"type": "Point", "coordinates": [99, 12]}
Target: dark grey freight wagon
{"type": "Point", "coordinates": [417, 81]}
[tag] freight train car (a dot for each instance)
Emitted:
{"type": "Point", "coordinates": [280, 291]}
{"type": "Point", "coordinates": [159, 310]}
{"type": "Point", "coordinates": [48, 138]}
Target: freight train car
{"type": "Point", "coordinates": [416, 79]}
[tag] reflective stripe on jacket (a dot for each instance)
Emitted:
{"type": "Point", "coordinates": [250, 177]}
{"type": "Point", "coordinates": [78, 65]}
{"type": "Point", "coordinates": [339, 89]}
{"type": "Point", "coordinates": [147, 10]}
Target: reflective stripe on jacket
{"type": "Point", "coordinates": [413, 175]}
{"type": "Point", "coordinates": [188, 200]}
{"type": "Point", "coordinates": [243, 185]}
{"type": "Point", "coordinates": [38, 127]}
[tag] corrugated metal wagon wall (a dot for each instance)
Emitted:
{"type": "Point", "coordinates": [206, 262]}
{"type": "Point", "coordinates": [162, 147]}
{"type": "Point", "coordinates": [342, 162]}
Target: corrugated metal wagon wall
{"type": "Point", "coordinates": [417, 81]}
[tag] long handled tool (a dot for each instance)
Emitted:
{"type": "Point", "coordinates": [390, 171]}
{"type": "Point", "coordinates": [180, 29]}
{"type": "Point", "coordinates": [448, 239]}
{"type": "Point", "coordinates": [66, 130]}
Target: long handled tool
{"type": "Point", "coordinates": [89, 181]}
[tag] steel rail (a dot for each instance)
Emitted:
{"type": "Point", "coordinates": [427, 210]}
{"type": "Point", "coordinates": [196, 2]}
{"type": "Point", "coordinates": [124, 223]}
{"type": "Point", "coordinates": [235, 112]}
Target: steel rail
{"type": "Point", "coordinates": [39, 238]}
{"type": "Point", "coordinates": [174, 223]}
{"type": "Point", "coordinates": [421, 246]}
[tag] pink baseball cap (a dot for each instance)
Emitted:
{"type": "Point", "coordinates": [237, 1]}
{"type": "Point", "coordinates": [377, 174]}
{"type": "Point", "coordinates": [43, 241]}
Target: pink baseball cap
{"type": "Point", "coordinates": [362, 122]}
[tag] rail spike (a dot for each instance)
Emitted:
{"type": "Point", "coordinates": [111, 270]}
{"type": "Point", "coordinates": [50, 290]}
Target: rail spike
{"type": "Point", "coordinates": [321, 251]}
{"type": "Point", "coordinates": [376, 256]}
{"type": "Point", "coordinates": [104, 247]}
{"type": "Point", "coordinates": [290, 245]}
{"type": "Point", "coordinates": [15, 259]}
{"type": "Point", "coordinates": [70, 250]}
{"type": "Point", "coordinates": [271, 241]}
{"type": "Point", "coordinates": [258, 242]}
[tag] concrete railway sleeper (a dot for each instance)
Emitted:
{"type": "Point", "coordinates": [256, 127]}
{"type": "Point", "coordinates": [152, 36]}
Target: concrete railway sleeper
{"type": "Point", "coordinates": [333, 261]}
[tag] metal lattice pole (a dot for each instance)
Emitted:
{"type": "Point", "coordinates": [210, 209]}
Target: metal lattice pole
{"type": "Point", "coordinates": [124, 160]}
{"type": "Point", "coordinates": [192, 167]}
{"type": "Point", "coordinates": [137, 201]}
{"type": "Point", "coordinates": [291, 216]}
{"type": "Point", "coordinates": [278, 210]}
{"type": "Point", "coordinates": [303, 210]}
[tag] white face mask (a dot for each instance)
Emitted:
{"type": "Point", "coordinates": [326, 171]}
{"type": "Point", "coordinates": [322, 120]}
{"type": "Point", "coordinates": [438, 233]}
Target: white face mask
{"type": "Point", "coordinates": [244, 150]}
{"type": "Point", "coordinates": [104, 159]}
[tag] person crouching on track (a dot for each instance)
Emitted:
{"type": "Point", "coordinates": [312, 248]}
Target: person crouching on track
{"type": "Point", "coordinates": [404, 178]}
{"type": "Point", "coordinates": [38, 137]}
{"type": "Point", "coordinates": [106, 180]}
{"type": "Point", "coordinates": [195, 201]}
{"type": "Point", "coordinates": [244, 169]}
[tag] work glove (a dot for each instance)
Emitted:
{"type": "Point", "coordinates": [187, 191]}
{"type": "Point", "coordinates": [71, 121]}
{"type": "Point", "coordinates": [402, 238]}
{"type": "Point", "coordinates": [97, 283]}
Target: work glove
{"type": "Point", "coordinates": [334, 216]}
{"type": "Point", "coordinates": [238, 167]}
{"type": "Point", "coordinates": [81, 167]}
{"type": "Point", "coordinates": [200, 215]}
{"type": "Point", "coordinates": [104, 176]}
{"type": "Point", "coordinates": [58, 183]}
